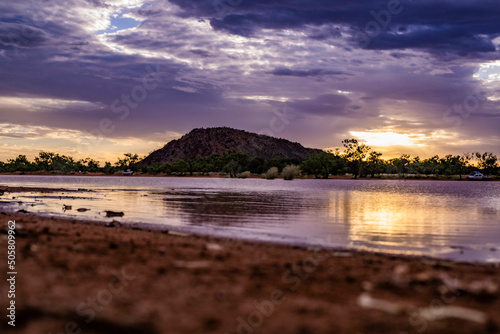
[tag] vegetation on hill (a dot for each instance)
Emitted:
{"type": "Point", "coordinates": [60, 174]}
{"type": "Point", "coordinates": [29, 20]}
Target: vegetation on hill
{"type": "Point", "coordinates": [204, 143]}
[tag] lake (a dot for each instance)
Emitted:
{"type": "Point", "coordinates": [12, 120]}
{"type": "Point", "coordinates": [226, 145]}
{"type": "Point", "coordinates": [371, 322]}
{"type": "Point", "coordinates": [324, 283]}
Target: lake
{"type": "Point", "coordinates": [445, 219]}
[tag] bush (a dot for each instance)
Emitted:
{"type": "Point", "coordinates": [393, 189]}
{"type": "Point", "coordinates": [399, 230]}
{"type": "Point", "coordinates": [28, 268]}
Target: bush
{"type": "Point", "coordinates": [272, 173]}
{"type": "Point", "coordinates": [243, 175]}
{"type": "Point", "coordinates": [290, 172]}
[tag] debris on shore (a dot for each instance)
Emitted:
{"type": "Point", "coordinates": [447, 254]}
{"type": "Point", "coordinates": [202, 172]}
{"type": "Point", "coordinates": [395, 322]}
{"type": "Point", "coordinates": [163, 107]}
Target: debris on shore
{"type": "Point", "coordinates": [110, 213]}
{"type": "Point", "coordinates": [82, 209]}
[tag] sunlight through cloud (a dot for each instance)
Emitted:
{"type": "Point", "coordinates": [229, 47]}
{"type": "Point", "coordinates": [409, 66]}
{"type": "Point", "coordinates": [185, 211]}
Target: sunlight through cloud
{"type": "Point", "coordinates": [388, 138]}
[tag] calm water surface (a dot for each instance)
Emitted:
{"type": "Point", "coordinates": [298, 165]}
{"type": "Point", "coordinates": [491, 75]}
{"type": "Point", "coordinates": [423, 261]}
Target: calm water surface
{"type": "Point", "coordinates": [447, 219]}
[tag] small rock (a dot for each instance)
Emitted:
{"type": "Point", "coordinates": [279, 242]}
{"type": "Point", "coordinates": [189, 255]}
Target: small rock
{"type": "Point", "coordinates": [401, 269]}
{"type": "Point", "coordinates": [367, 286]}
{"type": "Point", "coordinates": [214, 247]}
{"type": "Point", "coordinates": [113, 223]}
{"type": "Point", "coordinates": [82, 209]}
{"type": "Point", "coordinates": [486, 287]}
{"type": "Point", "coordinates": [342, 254]}
{"type": "Point", "coordinates": [162, 250]}
{"type": "Point", "coordinates": [366, 301]}
{"type": "Point", "coordinates": [456, 312]}
{"type": "Point", "coordinates": [20, 230]}
{"type": "Point", "coordinates": [424, 276]}
{"type": "Point", "coordinates": [114, 213]}
{"type": "Point", "coordinates": [192, 264]}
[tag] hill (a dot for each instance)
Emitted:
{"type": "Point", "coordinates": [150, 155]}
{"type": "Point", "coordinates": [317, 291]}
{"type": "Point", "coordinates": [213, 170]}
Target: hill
{"type": "Point", "coordinates": [206, 142]}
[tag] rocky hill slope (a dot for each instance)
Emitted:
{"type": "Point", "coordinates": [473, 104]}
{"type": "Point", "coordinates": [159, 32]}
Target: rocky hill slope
{"type": "Point", "coordinates": [206, 142]}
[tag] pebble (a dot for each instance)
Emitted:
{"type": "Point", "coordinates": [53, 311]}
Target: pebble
{"type": "Point", "coordinates": [214, 247]}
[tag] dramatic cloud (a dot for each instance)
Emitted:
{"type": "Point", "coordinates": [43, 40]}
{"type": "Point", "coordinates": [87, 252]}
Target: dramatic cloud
{"type": "Point", "coordinates": [303, 73]}
{"type": "Point", "coordinates": [100, 78]}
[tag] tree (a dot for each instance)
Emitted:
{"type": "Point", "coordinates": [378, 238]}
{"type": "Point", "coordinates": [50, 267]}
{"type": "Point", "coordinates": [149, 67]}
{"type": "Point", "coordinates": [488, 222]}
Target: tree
{"type": "Point", "coordinates": [355, 152]}
{"type": "Point", "coordinates": [257, 166]}
{"type": "Point", "coordinates": [374, 163]}
{"type": "Point", "coordinates": [50, 161]}
{"type": "Point", "coordinates": [62, 163]}
{"type": "Point", "coordinates": [20, 164]}
{"type": "Point", "coordinates": [464, 163]}
{"type": "Point", "coordinates": [416, 166]}
{"type": "Point", "coordinates": [90, 165]}
{"type": "Point", "coordinates": [321, 164]}
{"type": "Point", "coordinates": [455, 164]}
{"type": "Point", "coordinates": [180, 167]}
{"type": "Point", "coordinates": [403, 163]}
{"type": "Point", "coordinates": [450, 164]}
{"type": "Point", "coordinates": [44, 160]}
{"type": "Point", "coordinates": [128, 160]}
{"type": "Point", "coordinates": [108, 168]}
{"type": "Point", "coordinates": [233, 168]}
{"type": "Point", "coordinates": [487, 161]}
{"type": "Point", "coordinates": [431, 165]}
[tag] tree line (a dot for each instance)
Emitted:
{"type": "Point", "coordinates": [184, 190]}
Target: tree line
{"type": "Point", "coordinates": [359, 160]}
{"type": "Point", "coordinates": [56, 163]}
{"type": "Point", "coordinates": [356, 159]}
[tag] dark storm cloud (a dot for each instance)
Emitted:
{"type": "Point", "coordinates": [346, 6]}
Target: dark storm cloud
{"type": "Point", "coordinates": [17, 35]}
{"type": "Point", "coordinates": [324, 33]}
{"type": "Point", "coordinates": [149, 12]}
{"type": "Point", "coordinates": [328, 104]}
{"type": "Point", "coordinates": [435, 40]}
{"type": "Point", "coordinates": [283, 71]}
{"type": "Point", "coordinates": [201, 53]}
{"type": "Point", "coordinates": [463, 27]}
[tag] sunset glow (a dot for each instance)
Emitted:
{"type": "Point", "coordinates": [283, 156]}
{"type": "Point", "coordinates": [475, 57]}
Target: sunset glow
{"type": "Point", "coordinates": [384, 139]}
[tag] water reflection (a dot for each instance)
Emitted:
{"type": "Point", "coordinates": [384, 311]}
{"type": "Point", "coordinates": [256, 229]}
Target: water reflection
{"type": "Point", "coordinates": [234, 209]}
{"type": "Point", "coordinates": [449, 219]}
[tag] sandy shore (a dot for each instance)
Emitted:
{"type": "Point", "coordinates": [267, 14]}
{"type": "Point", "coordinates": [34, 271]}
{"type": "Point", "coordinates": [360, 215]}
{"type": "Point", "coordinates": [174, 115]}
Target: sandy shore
{"type": "Point", "coordinates": [83, 277]}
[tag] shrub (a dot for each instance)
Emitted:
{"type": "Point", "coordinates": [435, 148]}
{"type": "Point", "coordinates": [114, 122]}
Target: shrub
{"type": "Point", "coordinates": [290, 172]}
{"type": "Point", "coordinates": [243, 175]}
{"type": "Point", "coordinates": [272, 173]}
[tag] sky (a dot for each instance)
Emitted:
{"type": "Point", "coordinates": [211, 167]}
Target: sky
{"type": "Point", "coordinates": [101, 78]}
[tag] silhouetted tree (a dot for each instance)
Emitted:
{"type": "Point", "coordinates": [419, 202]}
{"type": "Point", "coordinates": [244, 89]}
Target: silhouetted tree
{"type": "Point", "coordinates": [374, 163]}
{"type": "Point", "coordinates": [20, 164]}
{"type": "Point", "coordinates": [355, 152]}
{"type": "Point", "coordinates": [128, 161]}
{"type": "Point", "coordinates": [487, 161]}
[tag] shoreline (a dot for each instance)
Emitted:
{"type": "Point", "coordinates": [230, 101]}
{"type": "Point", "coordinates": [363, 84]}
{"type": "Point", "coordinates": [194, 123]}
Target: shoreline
{"type": "Point", "coordinates": [254, 176]}
{"type": "Point", "coordinates": [186, 283]}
